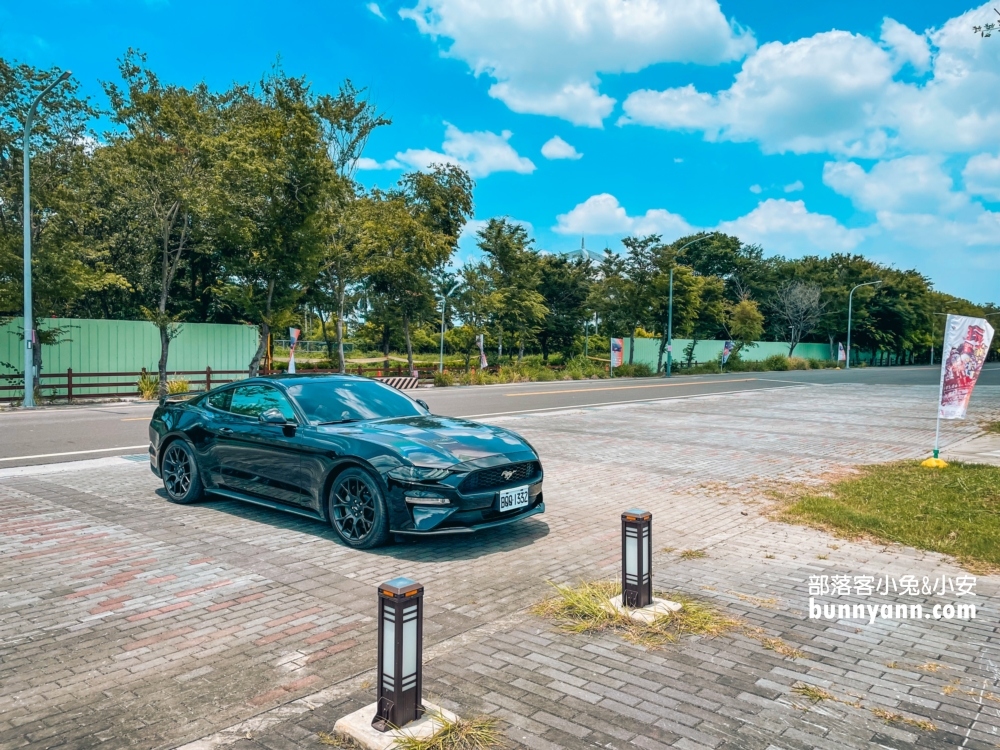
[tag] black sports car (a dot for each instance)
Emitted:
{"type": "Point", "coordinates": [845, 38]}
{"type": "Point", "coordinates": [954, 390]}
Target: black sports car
{"type": "Point", "coordinates": [348, 450]}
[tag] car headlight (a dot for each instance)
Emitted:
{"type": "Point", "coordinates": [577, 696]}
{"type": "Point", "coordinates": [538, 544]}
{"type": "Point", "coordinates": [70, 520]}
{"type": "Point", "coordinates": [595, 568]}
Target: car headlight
{"type": "Point", "coordinates": [417, 474]}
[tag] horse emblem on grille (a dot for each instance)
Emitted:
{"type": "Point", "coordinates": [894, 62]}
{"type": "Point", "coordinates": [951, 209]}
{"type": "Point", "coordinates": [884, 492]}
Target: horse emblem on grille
{"type": "Point", "coordinates": [507, 474]}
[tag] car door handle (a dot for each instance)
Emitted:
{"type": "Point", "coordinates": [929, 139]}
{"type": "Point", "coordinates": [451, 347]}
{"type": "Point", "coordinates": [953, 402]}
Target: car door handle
{"type": "Point", "coordinates": [225, 431]}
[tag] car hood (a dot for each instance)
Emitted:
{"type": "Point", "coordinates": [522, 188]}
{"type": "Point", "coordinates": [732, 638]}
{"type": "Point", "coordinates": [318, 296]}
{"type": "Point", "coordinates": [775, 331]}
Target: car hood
{"type": "Point", "coordinates": [441, 442]}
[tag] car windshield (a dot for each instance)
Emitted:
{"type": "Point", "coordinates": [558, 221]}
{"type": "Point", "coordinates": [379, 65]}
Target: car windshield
{"type": "Point", "coordinates": [341, 400]}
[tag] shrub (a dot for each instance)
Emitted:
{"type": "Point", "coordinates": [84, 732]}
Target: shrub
{"type": "Point", "coordinates": [148, 385]}
{"type": "Point", "coordinates": [638, 370]}
{"type": "Point", "coordinates": [777, 362]}
{"type": "Point", "coordinates": [443, 379]}
{"type": "Point", "coordinates": [178, 386]}
{"type": "Point", "coordinates": [797, 363]}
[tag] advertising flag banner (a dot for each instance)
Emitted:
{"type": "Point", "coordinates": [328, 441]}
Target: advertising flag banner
{"type": "Point", "coordinates": [482, 354]}
{"type": "Point", "coordinates": [293, 339]}
{"type": "Point", "coordinates": [841, 353]}
{"type": "Point", "coordinates": [727, 349]}
{"type": "Point", "coordinates": [966, 343]}
{"type": "Point", "coordinates": [617, 352]}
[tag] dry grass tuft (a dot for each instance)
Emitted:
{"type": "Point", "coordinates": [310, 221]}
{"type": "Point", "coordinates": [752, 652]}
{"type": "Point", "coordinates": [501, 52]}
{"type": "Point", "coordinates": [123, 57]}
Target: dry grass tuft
{"type": "Point", "coordinates": [813, 693]}
{"type": "Point", "coordinates": [339, 740]}
{"type": "Point", "coordinates": [768, 602]}
{"type": "Point", "coordinates": [780, 647]}
{"type": "Point", "coordinates": [478, 733]}
{"type": "Point", "coordinates": [693, 554]}
{"type": "Point", "coordinates": [931, 667]}
{"type": "Point", "coordinates": [584, 609]}
{"type": "Point", "coordinates": [893, 718]}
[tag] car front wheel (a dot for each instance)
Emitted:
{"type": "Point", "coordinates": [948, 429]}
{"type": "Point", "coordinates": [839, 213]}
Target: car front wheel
{"type": "Point", "coordinates": [357, 510]}
{"type": "Point", "coordinates": [181, 478]}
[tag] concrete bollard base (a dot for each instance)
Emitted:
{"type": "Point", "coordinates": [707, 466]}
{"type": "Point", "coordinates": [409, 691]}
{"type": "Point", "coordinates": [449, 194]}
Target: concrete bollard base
{"type": "Point", "coordinates": [659, 608]}
{"type": "Point", "coordinates": [358, 726]}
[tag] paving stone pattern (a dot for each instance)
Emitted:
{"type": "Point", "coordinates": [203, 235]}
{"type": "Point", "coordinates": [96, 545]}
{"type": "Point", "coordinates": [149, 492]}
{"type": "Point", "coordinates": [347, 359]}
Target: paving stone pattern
{"type": "Point", "coordinates": [131, 622]}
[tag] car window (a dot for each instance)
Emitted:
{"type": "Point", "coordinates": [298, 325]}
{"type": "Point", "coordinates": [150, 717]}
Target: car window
{"type": "Point", "coordinates": [220, 399]}
{"type": "Point", "coordinates": [339, 399]}
{"type": "Point", "coordinates": [254, 400]}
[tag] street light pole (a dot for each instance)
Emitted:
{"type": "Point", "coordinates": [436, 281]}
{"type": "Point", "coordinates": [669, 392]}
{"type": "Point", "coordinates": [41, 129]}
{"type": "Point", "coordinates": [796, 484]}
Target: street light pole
{"type": "Point", "coordinates": [670, 304]}
{"type": "Point", "coordinates": [444, 304]}
{"type": "Point", "coordinates": [849, 300]}
{"type": "Point", "coordinates": [29, 319]}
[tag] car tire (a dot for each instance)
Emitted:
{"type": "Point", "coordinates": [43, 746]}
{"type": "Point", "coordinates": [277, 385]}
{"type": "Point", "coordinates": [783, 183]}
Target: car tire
{"type": "Point", "coordinates": [181, 478]}
{"type": "Point", "coordinates": [357, 510]}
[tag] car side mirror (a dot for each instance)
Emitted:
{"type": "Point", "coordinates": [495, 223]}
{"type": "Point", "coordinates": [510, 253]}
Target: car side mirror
{"type": "Point", "coordinates": [273, 416]}
{"type": "Point", "coordinates": [422, 403]}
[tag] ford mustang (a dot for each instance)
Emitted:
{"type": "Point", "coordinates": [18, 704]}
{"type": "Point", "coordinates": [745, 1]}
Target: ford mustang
{"type": "Point", "coordinates": [346, 450]}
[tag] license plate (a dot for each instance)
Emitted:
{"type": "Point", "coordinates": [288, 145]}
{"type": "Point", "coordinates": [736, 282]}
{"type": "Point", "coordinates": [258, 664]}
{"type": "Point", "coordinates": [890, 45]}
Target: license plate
{"type": "Point", "coordinates": [513, 498]}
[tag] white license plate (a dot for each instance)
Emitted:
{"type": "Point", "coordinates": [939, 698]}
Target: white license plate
{"type": "Point", "coordinates": [513, 498]}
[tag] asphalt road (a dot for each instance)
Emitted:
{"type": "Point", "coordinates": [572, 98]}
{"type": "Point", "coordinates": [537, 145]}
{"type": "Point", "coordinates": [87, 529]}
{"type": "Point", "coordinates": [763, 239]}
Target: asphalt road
{"type": "Point", "coordinates": [73, 433]}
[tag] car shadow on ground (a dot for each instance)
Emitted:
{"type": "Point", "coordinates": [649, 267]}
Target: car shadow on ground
{"type": "Point", "coordinates": [470, 546]}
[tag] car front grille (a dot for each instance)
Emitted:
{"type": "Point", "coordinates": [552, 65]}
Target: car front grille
{"type": "Point", "coordinates": [498, 476]}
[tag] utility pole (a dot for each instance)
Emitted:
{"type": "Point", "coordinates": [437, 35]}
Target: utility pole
{"type": "Point", "coordinates": [29, 317]}
{"type": "Point", "coordinates": [670, 303]}
{"type": "Point", "coordinates": [849, 300]}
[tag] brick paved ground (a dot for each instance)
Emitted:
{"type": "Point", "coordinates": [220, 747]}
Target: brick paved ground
{"type": "Point", "coordinates": [129, 621]}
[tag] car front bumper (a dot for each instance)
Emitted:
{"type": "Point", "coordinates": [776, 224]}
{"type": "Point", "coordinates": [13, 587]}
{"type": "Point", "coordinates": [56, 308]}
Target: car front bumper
{"type": "Point", "coordinates": [534, 510]}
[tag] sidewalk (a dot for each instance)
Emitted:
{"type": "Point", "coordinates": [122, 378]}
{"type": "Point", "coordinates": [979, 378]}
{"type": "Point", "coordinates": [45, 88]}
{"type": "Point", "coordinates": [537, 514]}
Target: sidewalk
{"type": "Point", "coordinates": [133, 621]}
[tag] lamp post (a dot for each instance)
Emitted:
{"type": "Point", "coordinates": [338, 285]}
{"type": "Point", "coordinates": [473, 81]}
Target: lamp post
{"type": "Point", "coordinates": [849, 300]}
{"type": "Point", "coordinates": [444, 304]}
{"type": "Point", "coordinates": [637, 577]}
{"type": "Point", "coordinates": [400, 638]}
{"type": "Point", "coordinates": [29, 319]}
{"type": "Point", "coordinates": [670, 303]}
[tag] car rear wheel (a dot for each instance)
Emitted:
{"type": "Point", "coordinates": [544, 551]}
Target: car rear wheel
{"type": "Point", "coordinates": [357, 510]}
{"type": "Point", "coordinates": [179, 470]}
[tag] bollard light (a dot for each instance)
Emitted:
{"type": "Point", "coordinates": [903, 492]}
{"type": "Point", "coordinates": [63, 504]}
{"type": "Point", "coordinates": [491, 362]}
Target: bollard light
{"type": "Point", "coordinates": [637, 578]}
{"type": "Point", "coordinates": [400, 635]}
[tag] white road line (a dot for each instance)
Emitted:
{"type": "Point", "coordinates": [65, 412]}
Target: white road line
{"type": "Point", "coordinates": [631, 401]}
{"type": "Point", "coordinates": [77, 453]}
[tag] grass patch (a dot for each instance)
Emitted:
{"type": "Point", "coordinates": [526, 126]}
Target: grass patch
{"type": "Point", "coordinates": [477, 733]}
{"type": "Point", "coordinates": [991, 427]}
{"type": "Point", "coordinates": [955, 510]}
{"type": "Point", "coordinates": [693, 554]}
{"type": "Point", "coordinates": [339, 740]}
{"type": "Point", "coordinates": [778, 646]}
{"type": "Point", "coordinates": [583, 609]}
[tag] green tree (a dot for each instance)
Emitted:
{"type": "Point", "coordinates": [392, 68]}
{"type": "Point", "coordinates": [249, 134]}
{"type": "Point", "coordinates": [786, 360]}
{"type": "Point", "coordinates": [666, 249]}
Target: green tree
{"type": "Point", "coordinates": [515, 274]}
{"type": "Point", "coordinates": [565, 287]}
{"type": "Point", "coordinates": [163, 144]}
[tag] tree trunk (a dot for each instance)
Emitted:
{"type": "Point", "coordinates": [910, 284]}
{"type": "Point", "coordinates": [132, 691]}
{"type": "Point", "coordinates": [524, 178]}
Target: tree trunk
{"type": "Point", "coordinates": [409, 345]}
{"type": "Point", "coordinates": [520, 350]}
{"type": "Point", "coordinates": [631, 346]}
{"type": "Point", "coordinates": [385, 344]}
{"type": "Point", "coordinates": [326, 336]}
{"type": "Point", "coordinates": [499, 346]}
{"type": "Point", "coordinates": [265, 331]}
{"type": "Point", "coordinates": [663, 348]}
{"type": "Point", "coordinates": [162, 368]}
{"type": "Point", "coordinates": [340, 333]}
{"type": "Point", "coordinates": [833, 354]}
{"type": "Point", "coordinates": [544, 342]}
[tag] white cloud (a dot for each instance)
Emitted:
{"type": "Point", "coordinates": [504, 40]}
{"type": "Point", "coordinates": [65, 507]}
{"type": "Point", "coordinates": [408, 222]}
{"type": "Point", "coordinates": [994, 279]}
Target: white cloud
{"type": "Point", "coordinates": [364, 163]}
{"type": "Point", "coordinates": [603, 215]}
{"type": "Point", "coordinates": [481, 153]}
{"type": "Point", "coordinates": [795, 187]}
{"type": "Point", "coordinates": [557, 148]}
{"type": "Point", "coordinates": [546, 57]}
{"type": "Point", "coordinates": [982, 176]}
{"type": "Point", "coordinates": [841, 93]}
{"type": "Point", "coordinates": [906, 46]}
{"type": "Point", "coordinates": [910, 184]}
{"type": "Point", "coordinates": [373, 7]}
{"type": "Point", "coordinates": [788, 228]}
{"type": "Point", "coordinates": [678, 160]}
{"type": "Point", "coordinates": [756, 189]}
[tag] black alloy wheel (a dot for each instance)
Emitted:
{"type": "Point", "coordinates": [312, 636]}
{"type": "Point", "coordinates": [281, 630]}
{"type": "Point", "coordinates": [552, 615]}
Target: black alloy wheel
{"type": "Point", "coordinates": [357, 510]}
{"type": "Point", "coordinates": [180, 474]}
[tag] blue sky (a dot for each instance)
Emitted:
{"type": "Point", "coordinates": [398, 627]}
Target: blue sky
{"type": "Point", "coordinates": [807, 127]}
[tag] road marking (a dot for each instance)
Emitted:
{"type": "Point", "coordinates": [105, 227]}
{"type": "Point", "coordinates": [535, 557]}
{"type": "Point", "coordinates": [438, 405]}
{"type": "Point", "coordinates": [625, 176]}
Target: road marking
{"type": "Point", "coordinates": [136, 419]}
{"type": "Point", "coordinates": [630, 401]}
{"type": "Point", "coordinates": [76, 453]}
{"type": "Point", "coordinates": [629, 387]}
